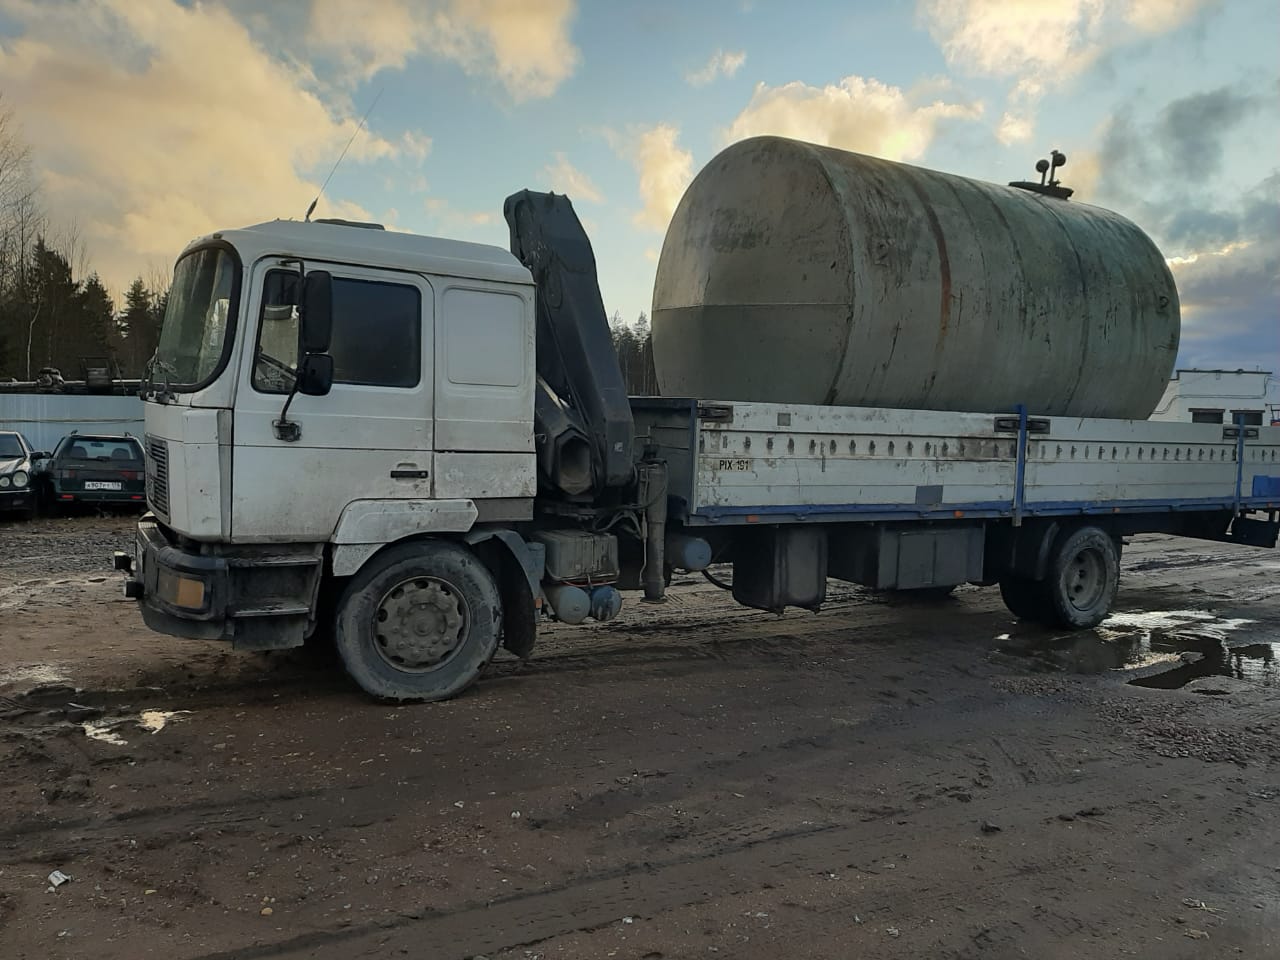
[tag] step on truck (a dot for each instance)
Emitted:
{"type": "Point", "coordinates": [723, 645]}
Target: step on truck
{"type": "Point", "coordinates": [423, 448]}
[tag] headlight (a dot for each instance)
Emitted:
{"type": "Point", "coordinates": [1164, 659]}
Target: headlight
{"type": "Point", "coordinates": [4, 482]}
{"type": "Point", "coordinates": [20, 478]}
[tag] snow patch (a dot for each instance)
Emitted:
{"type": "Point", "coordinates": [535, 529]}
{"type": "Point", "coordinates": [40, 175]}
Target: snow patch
{"type": "Point", "coordinates": [37, 673]}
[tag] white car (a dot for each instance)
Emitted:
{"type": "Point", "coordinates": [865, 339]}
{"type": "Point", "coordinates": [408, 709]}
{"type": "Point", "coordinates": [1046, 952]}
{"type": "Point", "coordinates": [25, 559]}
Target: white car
{"type": "Point", "coordinates": [16, 492]}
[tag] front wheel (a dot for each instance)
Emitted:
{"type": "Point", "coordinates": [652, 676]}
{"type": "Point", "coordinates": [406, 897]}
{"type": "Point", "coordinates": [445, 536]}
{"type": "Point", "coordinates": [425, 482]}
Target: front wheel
{"type": "Point", "coordinates": [419, 622]}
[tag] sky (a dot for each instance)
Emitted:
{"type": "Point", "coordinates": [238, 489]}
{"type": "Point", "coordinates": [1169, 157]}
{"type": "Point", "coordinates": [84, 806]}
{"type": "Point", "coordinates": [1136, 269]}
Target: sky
{"type": "Point", "coordinates": [153, 121]}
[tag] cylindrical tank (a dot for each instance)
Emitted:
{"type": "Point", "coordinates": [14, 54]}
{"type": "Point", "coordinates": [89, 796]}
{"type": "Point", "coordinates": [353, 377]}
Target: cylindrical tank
{"type": "Point", "coordinates": [795, 273]}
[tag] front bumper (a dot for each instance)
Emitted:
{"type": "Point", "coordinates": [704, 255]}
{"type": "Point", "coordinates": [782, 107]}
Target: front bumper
{"type": "Point", "coordinates": [183, 594]}
{"type": "Point", "coordinates": [22, 498]}
{"type": "Point", "coordinates": [258, 597]}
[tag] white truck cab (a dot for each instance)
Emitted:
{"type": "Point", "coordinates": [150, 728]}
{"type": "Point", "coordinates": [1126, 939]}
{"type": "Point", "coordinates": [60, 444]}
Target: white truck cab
{"type": "Point", "coordinates": [431, 404]}
{"type": "Point", "coordinates": [264, 489]}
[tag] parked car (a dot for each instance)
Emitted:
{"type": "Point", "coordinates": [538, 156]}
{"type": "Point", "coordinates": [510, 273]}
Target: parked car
{"type": "Point", "coordinates": [93, 469]}
{"type": "Point", "coordinates": [17, 493]}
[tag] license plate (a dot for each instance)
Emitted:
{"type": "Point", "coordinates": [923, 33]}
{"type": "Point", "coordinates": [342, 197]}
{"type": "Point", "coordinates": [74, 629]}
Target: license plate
{"type": "Point", "coordinates": [102, 484]}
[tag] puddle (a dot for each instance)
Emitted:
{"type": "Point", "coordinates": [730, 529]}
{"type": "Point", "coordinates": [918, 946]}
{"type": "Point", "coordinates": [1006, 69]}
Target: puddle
{"type": "Point", "coordinates": [152, 721]}
{"type": "Point", "coordinates": [1190, 643]}
{"type": "Point", "coordinates": [1255, 662]}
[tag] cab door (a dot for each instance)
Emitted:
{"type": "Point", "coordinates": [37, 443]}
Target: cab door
{"type": "Point", "coordinates": [371, 437]}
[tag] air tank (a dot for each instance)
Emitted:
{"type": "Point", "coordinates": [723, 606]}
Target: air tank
{"type": "Point", "coordinates": [795, 273]}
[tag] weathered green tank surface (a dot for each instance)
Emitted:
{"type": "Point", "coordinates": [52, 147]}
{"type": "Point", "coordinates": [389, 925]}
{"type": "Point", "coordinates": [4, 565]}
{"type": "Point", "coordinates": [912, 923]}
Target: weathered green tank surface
{"type": "Point", "coordinates": [795, 273]}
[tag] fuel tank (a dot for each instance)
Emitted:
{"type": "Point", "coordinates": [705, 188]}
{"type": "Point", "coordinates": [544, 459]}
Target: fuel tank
{"type": "Point", "coordinates": [795, 273]}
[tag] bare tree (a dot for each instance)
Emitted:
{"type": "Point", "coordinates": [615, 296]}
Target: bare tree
{"type": "Point", "coordinates": [16, 183]}
{"type": "Point", "coordinates": [18, 207]}
{"type": "Point", "coordinates": [69, 241]}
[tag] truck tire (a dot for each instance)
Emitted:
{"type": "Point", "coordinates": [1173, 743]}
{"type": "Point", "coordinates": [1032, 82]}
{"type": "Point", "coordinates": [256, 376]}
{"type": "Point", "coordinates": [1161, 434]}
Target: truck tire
{"type": "Point", "coordinates": [1083, 575]}
{"type": "Point", "coordinates": [419, 622]}
{"type": "Point", "coordinates": [1026, 599]}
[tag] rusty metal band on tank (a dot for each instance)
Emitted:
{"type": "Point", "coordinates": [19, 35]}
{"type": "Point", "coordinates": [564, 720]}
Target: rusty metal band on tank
{"type": "Point", "coordinates": [795, 273]}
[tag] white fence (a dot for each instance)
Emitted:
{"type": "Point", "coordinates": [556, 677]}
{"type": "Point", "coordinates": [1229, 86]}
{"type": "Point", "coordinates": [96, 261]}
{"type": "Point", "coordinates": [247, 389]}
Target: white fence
{"type": "Point", "coordinates": [44, 419]}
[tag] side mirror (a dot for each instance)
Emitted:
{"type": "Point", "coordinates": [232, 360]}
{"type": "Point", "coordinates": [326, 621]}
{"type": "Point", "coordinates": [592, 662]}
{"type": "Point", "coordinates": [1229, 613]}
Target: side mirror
{"type": "Point", "coordinates": [315, 375]}
{"type": "Point", "coordinates": [40, 454]}
{"type": "Point", "coordinates": [315, 312]}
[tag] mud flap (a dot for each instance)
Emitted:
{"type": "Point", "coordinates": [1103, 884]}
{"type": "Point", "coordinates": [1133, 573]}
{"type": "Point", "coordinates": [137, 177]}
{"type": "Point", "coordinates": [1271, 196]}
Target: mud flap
{"type": "Point", "coordinates": [519, 615]}
{"type": "Point", "coordinates": [518, 567]}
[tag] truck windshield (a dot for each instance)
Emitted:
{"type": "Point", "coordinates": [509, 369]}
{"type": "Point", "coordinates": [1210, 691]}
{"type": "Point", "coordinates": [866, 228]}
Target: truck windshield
{"type": "Point", "coordinates": [193, 337]}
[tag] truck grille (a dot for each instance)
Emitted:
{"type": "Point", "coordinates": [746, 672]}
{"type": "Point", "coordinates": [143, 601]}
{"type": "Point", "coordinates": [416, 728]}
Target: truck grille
{"type": "Point", "coordinates": [158, 476]}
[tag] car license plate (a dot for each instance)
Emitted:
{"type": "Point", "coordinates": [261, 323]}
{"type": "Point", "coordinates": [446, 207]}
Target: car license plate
{"type": "Point", "coordinates": [102, 484]}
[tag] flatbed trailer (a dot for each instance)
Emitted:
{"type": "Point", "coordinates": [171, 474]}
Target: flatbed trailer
{"type": "Point", "coordinates": [918, 498]}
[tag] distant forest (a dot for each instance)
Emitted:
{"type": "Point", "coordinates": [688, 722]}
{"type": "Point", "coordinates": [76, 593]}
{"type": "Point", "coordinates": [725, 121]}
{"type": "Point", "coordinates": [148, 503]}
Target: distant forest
{"type": "Point", "coordinates": [634, 346]}
{"type": "Point", "coordinates": [55, 311]}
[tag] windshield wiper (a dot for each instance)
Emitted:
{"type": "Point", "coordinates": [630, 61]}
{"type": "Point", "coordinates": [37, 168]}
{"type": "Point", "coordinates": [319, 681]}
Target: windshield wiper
{"type": "Point", "coordinates": [278, 364]}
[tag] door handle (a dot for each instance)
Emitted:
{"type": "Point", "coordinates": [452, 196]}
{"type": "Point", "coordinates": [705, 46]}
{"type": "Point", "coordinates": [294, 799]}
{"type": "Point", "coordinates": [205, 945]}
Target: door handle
{"type": "Point", "coordinates": [409, 474]}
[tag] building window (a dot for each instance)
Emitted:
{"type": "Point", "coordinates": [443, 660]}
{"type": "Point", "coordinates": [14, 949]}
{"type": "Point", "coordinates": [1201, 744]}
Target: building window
{"type": "Point", "coordinates": [1206, 416]}
{"type": "Point", "coordinates": [1250, 418]}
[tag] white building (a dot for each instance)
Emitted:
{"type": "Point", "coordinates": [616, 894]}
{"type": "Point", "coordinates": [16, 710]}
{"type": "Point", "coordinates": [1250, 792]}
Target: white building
{"type": "Point", "coordinates": [1219, 396]}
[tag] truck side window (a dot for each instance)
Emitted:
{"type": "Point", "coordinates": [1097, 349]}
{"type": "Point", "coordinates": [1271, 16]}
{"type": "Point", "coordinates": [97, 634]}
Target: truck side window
{"type": "Point", "coordinates": [377, 333]}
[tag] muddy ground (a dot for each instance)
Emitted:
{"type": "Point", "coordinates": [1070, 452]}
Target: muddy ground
{"type": "Point", "coordinates": [881, 780]}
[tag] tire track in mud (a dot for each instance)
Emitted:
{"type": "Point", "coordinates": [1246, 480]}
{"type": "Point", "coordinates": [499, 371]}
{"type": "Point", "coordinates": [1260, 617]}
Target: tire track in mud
{"type": "Point", "coordinates": [744, 860]}
{"type": "Point", "coordinates": [785, 756]}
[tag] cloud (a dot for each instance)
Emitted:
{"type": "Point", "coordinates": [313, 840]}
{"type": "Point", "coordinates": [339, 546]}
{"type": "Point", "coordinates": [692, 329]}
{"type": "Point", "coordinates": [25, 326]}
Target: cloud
{"type": "Point", "coordinates": [665, 170]}
{"type": "Point", "coordinates": [1156, 16]}
{"type": "Point", "coordinates": [415, 145]}
{"type": "Point", "coordinates": [522, 44]}
{"type": "Point", "coordinates": [448, 219]}
{"type": "Point", "coordinates": [856, 114]}
{"type": "Point", "coordinates": [1191, 129]}
{"type": "Point", "coordinates": [152, 123]}
{"type": "Point", "coordinates": [1178, 150]}
{"type": "Point", "coordinates": [721, 64]}
{"type": "Point", "coordinates": [1165, 169]}
{"type": "Point", "coordinates": [1040, 43]}
{"type": "Point", "coordinates": [1228, 277]}
{"type": "Point", "coordinates": [569, 180]}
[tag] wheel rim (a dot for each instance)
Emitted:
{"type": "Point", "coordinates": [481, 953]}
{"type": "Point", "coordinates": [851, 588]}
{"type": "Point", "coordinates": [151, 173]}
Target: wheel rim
{"type": "Point", "coordinates": [1086, 579]}
{"type": "Point", "coordinates": [420, 624]}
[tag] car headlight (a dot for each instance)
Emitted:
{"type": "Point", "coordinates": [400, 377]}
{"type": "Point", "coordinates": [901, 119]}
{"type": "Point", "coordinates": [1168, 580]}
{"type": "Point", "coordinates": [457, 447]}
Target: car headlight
{"type": "Point", "coordinates": [20, 478]}
{"type": "Point", "coordinates": [4, 482]}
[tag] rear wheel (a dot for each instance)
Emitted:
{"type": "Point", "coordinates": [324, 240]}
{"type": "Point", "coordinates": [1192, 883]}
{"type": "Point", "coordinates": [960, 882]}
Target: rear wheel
{"type": "Point", "coordinates": [419, 622]}
{"type": "Point", "coordinates": [1083, 575]}
{"type": "Point", "coordinates": [1026, 599]}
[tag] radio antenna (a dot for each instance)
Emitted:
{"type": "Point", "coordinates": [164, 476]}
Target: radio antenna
{"type": "Point", "coordinates": [350, 140]}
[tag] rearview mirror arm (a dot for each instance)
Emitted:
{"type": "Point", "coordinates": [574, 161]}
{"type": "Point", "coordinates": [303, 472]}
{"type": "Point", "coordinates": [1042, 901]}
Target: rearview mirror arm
{"type": "Point", "coordinates": [285, 429]}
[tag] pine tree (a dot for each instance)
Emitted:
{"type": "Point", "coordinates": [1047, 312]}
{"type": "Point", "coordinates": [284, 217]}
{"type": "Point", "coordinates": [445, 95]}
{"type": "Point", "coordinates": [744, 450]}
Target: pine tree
{"type": "Point", "coordinates": [646, 382]}
{"type": "Point", "coordinates": [138, 326]}
{"type": "Point", "coordinates": [54, 334]}
{"type": "Point", "coordinates": [97, 314]}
